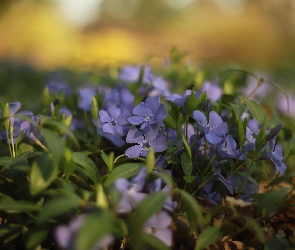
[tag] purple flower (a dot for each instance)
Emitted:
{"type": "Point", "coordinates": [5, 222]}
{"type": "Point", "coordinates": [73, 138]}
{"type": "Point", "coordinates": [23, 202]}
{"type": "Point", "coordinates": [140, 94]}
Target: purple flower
{"type": "Point", "coordinates": [57, 87]}
{"type": "Point", "coordinates": [66, 235]}
{"type": "Point", "coordinates": [275, 155]}
{"type": "Point", "coordinates": [130, 74]}
{"type": "Point", "coordinates": [283, 104]}
{"type": "Point", "coordinates": [180, 100]}
{"type": "Point", "coordinates": [213, 91]}
{"type": "Point", "coordinates": [86, 94]}
{"type": "Point", "coordinates": [130, 191]}
{"type": "Point", "coordinates": [215, 129]}
{"type": "Point", "coordinates": [249, 189]}
{"type": "Point", "coordinates": [159, 86]}
{"type": "Point", "coordinates": [20, 125]}
{"type": "Point", "coordinates": [228, 149]}
{"type": "Point", "coordinates": [149, 112]}
{"type": "Point", "coordinates": [121, 98]}
{"type": "Point", "coordinates": [114, 121]}
{"type": "Point", "coordinates": [146, 138]}
{"type": "Point", "coordinates": [158, 226]}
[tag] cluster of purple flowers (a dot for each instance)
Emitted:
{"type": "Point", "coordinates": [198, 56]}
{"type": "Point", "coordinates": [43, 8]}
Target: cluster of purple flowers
{"type": "Point", "coordinates": [157, 121]}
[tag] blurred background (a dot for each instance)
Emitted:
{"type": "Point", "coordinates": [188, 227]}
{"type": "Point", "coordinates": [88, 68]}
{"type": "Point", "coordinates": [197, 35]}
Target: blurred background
{"type": "Point", "coordinates": [48, 35]}
{"type": "Point", "coordinates": [77, 33]}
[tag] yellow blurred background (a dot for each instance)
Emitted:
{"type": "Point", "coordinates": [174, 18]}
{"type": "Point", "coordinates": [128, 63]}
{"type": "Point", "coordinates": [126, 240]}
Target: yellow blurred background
{"type": "Point", "coordinates": [93, 33]}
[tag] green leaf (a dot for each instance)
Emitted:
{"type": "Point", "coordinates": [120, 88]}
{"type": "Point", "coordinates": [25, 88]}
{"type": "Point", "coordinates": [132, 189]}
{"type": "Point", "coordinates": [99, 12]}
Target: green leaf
{"type": "Point", "coordinates": [55, 144]}
{"type": "Point", "coordinates": [186, 164]}
{"type": "Point", "coordinates": [256, 227]}
{"type": "Point", "coordinates": [5, 116]}
{"type": "Point", "coordinates": [187, 147]}
{"type": "Point", "coordinates": [108, 159]}
{"type": "Point", "coordinates": [150, 205]}
{"type": "Point", "coordinates": [189, 178]}
{"type": "Point", "coordinates": [150, 160]}
{"type": "Point", "coordinates": [179, 126]}
{"type": "Point", "coordinates": [34, 237]}
{"type": "Point", "coordinates": [59, 206]}
{"type": "Point", "coordinates": [170, 122]}
{"type": "Point", "coordinates": [242, 133]}
{"type": "Point", "coordinates": [101, 198]}
{"type": "Point", "coordinates": [280, 179]}
{"type": "Point", "coordinates": [96, 226]}
{"type": "Point", "coordinates": [201, 100]}
{"type": "Point", "coordinates": [207, 237]}
{"type": "Point", "coordinates": [94, 108]}
{"type": "Point", "coordinates": [9, 228]}
{"type": "Point", "coordinates": [43, 172]}
{"type": "Point", "coordinates": [276, 243]}
{"type": "Point", "coordinates": [238, 109]}
{"type": "Point", "coordinates": [154, 242]}
{"type": "Point", "coordinates": [190, 103]}
{"type": "Point", "coordinates": [174, 111]}
{"type": "Point", "coordinates": [125, 170]}
{"type": "Point", "coordinates": [192, 209]}
{"type": "Point", "coordinates": [86, 165]}
{"type": "Point", "coordinates": [11, 206]}
{"type": "Point", "coordinates": [256, 110]}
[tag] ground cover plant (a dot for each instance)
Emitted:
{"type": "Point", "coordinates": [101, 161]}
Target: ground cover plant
{"type": "Point", "coordinates": [144, 162]}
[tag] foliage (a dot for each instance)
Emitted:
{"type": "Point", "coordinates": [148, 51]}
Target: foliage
{"type": "Point", "coordinates": [131, 164]}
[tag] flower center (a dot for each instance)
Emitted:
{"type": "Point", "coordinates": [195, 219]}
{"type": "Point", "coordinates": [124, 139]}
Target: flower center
{"type": "Point", "coordinates": [113, 122]}
{"type": "Point", "coordinates": [145, 145]}
{"type": "Point", "coordinates": [149, 117]}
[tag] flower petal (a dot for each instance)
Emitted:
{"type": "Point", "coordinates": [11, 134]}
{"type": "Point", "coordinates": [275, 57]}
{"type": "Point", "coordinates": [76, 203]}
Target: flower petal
{"type": "Point", "coordinates": [134, 136]}
{"type": "Point", "coordinates": [133, 151]}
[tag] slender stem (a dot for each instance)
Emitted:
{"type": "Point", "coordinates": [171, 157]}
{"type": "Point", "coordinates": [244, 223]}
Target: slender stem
{"type": "Point", "coordinates": [259, 84]}
{"type": "Point", "coordinates": [12, 141]}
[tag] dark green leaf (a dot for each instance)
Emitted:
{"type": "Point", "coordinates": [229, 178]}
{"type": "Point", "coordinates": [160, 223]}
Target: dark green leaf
{"type": "Point", "coordinates": [276, 243]}
{"type": "Point", "coordinates": [86, 165]}
{"type": "Point", "coordinates": [186, 164]}
{"type": "Point", "coordinates": [59, 206]}
{"type": "Point", "coordinates": [150, 205]}
{"type": "Point", "coordinates": [154, 242]}
{"type": "Point", "coordinates": [190, 103]}
{"type": "Point", "coordinates": [256, 110]}
{"type": "Point", "coordinates": [43, 172]}
{"type": "Point", "coordinates": [169, 122]}
{"type": "Point", "coordinates": [207, 237]}
{"type": "Point", "coordinates": [11, 206]}
{"type": "Point", "coordinates": [125, 170]}
{"type": "Point", "coordinates": [238, 109]}
{"type": "Point", "coordinates": [96, 226]}
{"type": "Point", "coordinates": [192, 209]}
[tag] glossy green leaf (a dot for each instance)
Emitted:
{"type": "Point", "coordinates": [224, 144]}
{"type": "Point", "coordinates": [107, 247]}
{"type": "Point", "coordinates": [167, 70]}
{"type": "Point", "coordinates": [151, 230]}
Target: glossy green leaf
{"type": "Point", "coordinates": [170, 122]}
{"type": "Point", "coordinates": [101, 198]}
{"type": "Point", "coordinates": [190, 103]}
{"type": "Point", "coordinates": [59, 206]}
{"type": "Point", "coordinates": [125, 170]}
{"type": "Point", "coordinates": [256, 110]}
{"type": "Point", "coordinates": [55, 144]}
{"type": "Point", "coordinates": [43, 172]}
{"type": "Point", "coordinates": [96, 226]}
{"type": "Point", "coordinates": [150, 205]}
{"type": "Point", "coordinates": [186, 164]}
{"type": "Point", "coordinates": [192, 209]}
{"type": "Point", "coordinates": [238, 109]}
{"type": "Point", "coordinates": [11, 206]}
{"type": "Point", "coordinates": [207, 237]}
{"type": "Point", "coordinates": [108, 159]}
{"type": "Point", "coordinates": [150, 160]}
{"type": "Point", "coordinates": [86, 165]}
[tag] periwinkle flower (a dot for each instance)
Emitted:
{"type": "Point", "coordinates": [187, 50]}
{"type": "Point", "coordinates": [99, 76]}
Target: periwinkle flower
{"type": "Point", "coordinates": [131, 191]}
{"type": "Point", "coordinates": [158, 226]}
{"type": "Point", "coordinates": [275, 155]}
{"type": "Point", "coordinates": [149, 112]}
{"type": "Point", "coordinates": [249, 189]}
{"type": "Point", "coordinates": [215, 129]}
{"type": "Point", "coordinates": [86, 94]}
{"type": "Point", "coordinates": [287, 107]}
{"type": "Point", "coordinates": [57, 87]}
{"type": "Point", "coordinates": [20, 125]}
{"type": "Point", "coordinates": [145, 138]}
{"type": "Point", "coordinates": [213, 91]}
{"type": "Point", "coordinates": [180, 100]}
{"type": "Point", "coordinates": [121, 98]}
{"type": "Point", "coordinates": [66, 235]}
{"type": "Point", "coordinates": [114, 121]}
{"type": "Point", "coordinates": [159, 86]}
{"type": "Point", "coordinates": [130, 74]}
{"type": "Point", "coordinates": [228, 149]}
